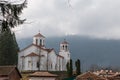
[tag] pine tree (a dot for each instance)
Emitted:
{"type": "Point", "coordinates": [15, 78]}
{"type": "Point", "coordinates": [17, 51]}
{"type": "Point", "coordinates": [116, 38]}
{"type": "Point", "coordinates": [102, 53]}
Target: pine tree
{"type": "Point", "coordinates": [10, 14]}
{"type": "Point", "coordinates": [8, 48]}
{"type": "Point", "coordinates": [9, 18]}
{"type": "Point", "coordinates": [78, 68]}
{"type": "Point", "coordinates": [69, 68]}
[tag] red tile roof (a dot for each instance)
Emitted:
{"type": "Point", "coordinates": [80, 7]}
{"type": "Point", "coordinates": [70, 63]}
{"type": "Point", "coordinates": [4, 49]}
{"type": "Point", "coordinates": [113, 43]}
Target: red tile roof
{"type": "Point", "coordinates": [42, 74]}
{"type": "Point", "coordinates": [64, 42]}
{"type": "Point", "coordinates": [6, 70]}
{"type": "Point", "coordinates": [39, 35]}
{"type": "Point", "coordinates": [32, 54]}
{"type": "Point", "coordinates": [87, 75]}
{"type": "Point", "coordinates": [60, 56]}
{"type": "Point", "coordinates": [48, 50]}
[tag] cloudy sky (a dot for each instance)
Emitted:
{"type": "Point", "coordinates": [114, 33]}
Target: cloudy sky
{"type": "Point", "coordinates": [92, 18]}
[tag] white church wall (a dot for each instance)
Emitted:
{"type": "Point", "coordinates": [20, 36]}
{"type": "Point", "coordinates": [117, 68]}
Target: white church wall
{"type": "Point", "coordinates": [43, 59]}
{"type": "Point", "coordinates": [47, 60]}
{"type": "Point", "coordinates": [59, 64]}
{"type": "Point", "coordinates": [52, 57]}
{"type": "Point", "coordinates": [66, 56]}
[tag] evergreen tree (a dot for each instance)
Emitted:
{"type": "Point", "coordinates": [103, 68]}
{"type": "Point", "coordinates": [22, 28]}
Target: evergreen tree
{"type": "Point", "coordinates": [78, 68]}
{"type": "Point", "coordinates": [8, 48]}
{"type": "Point", "coordinates": [69, 68]}
{"type": "Point", "coordinates": [10, 12]}
{"type": "Point", "coordinates": [9, 18]}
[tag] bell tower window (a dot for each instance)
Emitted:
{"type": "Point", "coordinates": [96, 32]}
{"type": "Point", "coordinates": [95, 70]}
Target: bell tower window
{"type": "Point", "coordinates": [66, 48]}
{"type": "Point", "coordinates": [63, 47]}
{"type": "Point", "coordinates": [40, 42]}
{"type": "Point", "coordinates": [36, 41]}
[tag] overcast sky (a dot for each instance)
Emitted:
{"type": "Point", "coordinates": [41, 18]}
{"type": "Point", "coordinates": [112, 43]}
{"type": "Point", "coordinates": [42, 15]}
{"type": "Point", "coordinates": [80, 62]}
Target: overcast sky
{"type": "Point", "coordinates": [93, 18]}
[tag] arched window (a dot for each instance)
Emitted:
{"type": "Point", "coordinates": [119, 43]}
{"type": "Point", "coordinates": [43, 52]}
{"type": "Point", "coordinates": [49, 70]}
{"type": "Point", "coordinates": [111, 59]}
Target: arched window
{"type": "Point", "coordinates": [51, 66]}
{"type": "Point", "coordinates": [63, 47]}
{"type": "Point", "coordinates": [29, 63]}
{"type": "Point", "coordinates": [66, 48]}
{"type": "Point", "coordinates": [38, 64]}
{"type": "Point", "coordinates": [40, 42]}
{"type": "Point", "coordinates": [36, 41]}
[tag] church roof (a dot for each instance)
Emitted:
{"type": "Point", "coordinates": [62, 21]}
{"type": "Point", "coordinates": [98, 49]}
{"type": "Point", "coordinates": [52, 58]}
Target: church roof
{"type": "Point", "coordinates": [64, 42]}
{"type": "Point", "coordinates": [42, 74]}
{"type": "Point", "coordinates": [60, 56]}
{"type": "Point", "coordinates": [32, 54]}
{"type": "Point", "coordinates": [48, 50]}
{"type": "Point", "coordinates": [39, 35]}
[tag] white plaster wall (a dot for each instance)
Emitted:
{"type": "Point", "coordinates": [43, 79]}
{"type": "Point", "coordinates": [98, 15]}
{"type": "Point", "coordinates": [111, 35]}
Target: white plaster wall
{"type": "Point", "coordinates": [66, 55]}
{"type": "Point", "coordinates": [38, 38]}
{"type": "Point", "coordinates": [28, 51]}
{"type": "Point", "coordinates": [52, 57]}
{"type": "Point", "coordinates": [59, 64]}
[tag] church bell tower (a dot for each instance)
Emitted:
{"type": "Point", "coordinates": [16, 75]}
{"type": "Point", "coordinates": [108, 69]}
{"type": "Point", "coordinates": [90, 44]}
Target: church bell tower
{"type": "Point", "coordinates": [39, 40]}
{"type": "Point", "coordinates": [64, 51]}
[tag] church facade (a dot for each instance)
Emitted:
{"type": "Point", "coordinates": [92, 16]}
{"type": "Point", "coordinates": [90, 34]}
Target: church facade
{"type": "Point", "coordinates": [37, 57]}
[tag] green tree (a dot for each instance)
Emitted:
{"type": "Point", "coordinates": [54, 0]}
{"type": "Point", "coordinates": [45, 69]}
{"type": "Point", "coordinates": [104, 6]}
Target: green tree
{"type": "Point", "coordinates": [78, 68]}
{"type": "Point", "coordinates": [8, 48]}
{"type": "Point", "coordinates": [69, 68]}
{"type": "Point", "coordinates": [10, 12]}
{"type": "Point", "coordinates": [9, 18]}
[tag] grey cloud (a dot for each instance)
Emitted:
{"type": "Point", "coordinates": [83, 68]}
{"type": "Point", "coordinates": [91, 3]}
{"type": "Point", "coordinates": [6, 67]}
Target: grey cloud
{"type": "Point", "coordinates": [94, 18]}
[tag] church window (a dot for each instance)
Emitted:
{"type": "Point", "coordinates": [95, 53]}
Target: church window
{"type": "Point", "coordinates": [40, 42]}
{"type": "Point", "coordinates": [63, 47]}
{"type": "Point", "coordinates": [43, 42]}
{"type": "Point", "coordinates": [56, 66]}
{"type": "Point", "coordinates": [51, 66]}
{"type": "Point", "coordinates": [29, 63]}
{"type": "Point", "coordinates": [36, 41]}
{"type": "Point", "coordinates": [66, 47]}
{"type": "Point", "coordinates": [37, 64]}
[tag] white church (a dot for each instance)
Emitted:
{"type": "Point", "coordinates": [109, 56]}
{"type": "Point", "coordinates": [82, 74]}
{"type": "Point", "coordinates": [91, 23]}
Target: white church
{"type": "Point", "coordinates": [37, 57]}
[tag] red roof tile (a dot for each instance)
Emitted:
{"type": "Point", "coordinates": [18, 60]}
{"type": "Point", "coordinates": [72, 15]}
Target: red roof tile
{"type": "Point", "coordinates": [60, 56]}
{"type": "Point", "coordinates": [48, 50]}
{"type": "Point", "coordinates": [87, 75]}
{"type": "Point", "coordinates": [42, 74]}
{"type": "Point", "coordinates": [32, 54]}
{"type": "Point", "coordinates": [39, 35]}
{"type": "Point", "coordinates": [6, 70]}
{"type": "Point", "coordinates": [64, 42]}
